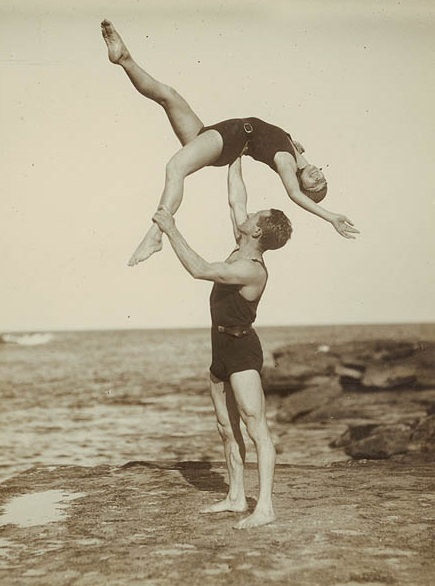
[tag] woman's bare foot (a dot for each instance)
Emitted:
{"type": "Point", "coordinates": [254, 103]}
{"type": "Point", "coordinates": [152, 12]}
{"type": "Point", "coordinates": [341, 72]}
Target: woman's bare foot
{"type": "Point", "coordinates": [258, 518]}
{"type": "Point", "coordinates": [118, 52]}
{"type": "Point", "coordinates": [226, 505]}
{"type": "Point", "coordinates": [150, 244]}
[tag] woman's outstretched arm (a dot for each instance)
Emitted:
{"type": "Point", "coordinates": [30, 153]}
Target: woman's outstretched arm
{"type": "Point", "coordinates": [341, 223]}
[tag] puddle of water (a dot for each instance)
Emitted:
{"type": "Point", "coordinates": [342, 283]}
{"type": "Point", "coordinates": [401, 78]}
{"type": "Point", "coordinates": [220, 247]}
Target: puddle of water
{"type": "Point", "coordinates": [38, 508]}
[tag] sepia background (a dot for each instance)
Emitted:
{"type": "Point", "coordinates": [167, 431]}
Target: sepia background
{"type": "Point", "coordinates": [106, 426]}
{"type": "Point", "coordinates": [83, 158]}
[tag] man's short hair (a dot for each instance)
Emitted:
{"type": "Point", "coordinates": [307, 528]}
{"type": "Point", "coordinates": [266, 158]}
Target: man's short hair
{"type": "Point", "coordinates": [276, 230]}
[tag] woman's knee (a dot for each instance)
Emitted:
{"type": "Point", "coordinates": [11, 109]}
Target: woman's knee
{"type": "Point", "coordinates": [168, 96]}
{"type": "Point", "coordinates": [175, 167]}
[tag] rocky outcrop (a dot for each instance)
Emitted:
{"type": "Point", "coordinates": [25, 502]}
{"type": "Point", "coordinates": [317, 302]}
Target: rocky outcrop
{"type": "Point", "coordinates": [383, 390]}
{"type": "Point", "coordinates": [375, 441]}
{"type": "Point", "coordinates": [363, 365]}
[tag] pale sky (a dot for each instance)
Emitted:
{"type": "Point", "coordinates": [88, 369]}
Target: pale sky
{"type": "Point", "coordinates": [83, 157]}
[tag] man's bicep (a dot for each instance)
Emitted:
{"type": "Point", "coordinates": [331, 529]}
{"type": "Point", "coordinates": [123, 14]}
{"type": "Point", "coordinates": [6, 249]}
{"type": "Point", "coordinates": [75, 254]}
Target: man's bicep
{"type": "Point", "coordinates": [236, 273]}
{"type": "Point", "coordinates": [236, 230]}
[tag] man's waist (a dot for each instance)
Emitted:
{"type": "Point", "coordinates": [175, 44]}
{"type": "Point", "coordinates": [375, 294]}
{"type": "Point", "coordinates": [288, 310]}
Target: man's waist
{"type": "Point", "coordinates": [237, 331]}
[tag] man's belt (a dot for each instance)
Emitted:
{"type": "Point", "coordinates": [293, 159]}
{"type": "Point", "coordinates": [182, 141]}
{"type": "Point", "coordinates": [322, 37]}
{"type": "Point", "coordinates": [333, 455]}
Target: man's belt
{"type": "Point", "coordinates": [236, 331]}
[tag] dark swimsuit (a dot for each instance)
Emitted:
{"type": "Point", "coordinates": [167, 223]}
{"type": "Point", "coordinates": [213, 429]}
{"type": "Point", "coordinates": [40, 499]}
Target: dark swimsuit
{"type": "Point", "coordinates": [235, 344]}
{"type": "Point", "coordinates": [252, 137]}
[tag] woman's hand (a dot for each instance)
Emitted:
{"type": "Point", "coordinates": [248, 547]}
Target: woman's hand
{"type": "Point", "coordinates": [344, 226]}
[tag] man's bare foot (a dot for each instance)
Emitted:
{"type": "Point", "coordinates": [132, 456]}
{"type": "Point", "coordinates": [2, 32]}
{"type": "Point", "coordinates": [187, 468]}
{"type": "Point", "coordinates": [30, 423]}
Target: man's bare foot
{"type": "Point", "coordinates": [118, 52]}
{"type": "Point", "coordinates": [226, 505]}
{"type": "Point", "coordinates": [257, 519]}
{"type": "Point", "coordinates": [146, 248]}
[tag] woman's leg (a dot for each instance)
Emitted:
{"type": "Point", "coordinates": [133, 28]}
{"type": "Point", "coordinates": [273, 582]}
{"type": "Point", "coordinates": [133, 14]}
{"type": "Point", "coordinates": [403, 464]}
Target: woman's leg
{"type": "Point", "coordinates": [249, 396]}
{"type": "Point", "coordinates": [197, 152]}
{"type": "Point", "coordinates": [183, 119]}
{"type": "Point", "coordinates": [201, 151]}
{"type": "Point", "coordinates": [228, 423]}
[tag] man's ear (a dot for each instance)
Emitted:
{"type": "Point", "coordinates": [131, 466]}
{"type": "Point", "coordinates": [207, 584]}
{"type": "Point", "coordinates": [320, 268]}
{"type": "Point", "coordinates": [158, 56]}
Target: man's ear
{"type": "Point", "coordinates": [257, 232]}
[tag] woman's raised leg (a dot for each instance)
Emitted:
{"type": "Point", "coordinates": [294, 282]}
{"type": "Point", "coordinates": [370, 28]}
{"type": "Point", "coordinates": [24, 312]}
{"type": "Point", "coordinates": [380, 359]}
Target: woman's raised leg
{"type": "Point", "coordinates": [183, 119]}
{"type": "Point", "coordinates": [201, 151]}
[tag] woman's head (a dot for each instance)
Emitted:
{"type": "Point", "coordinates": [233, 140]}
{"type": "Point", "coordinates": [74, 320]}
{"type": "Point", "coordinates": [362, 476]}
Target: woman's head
{"type": "Point", "coordinates": [312, 182]}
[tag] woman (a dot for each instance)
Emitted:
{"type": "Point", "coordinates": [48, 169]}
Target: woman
{"type": "Point", "coordinates": [220, 144]}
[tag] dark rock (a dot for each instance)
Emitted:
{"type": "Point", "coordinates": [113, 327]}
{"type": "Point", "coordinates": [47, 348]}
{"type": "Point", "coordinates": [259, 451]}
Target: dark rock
{"type": "Point", "coordinates": [302, 402]}
{"type": "Point", "coordinates": [296, 367]}
{"type": "Point", "coordinates": [381, 442]}
{"type": "Point", "coordinates": [423, 437]}
{"type": "Point", "coordinates": [353, 433]}
{"type": "Point", "coordinates": [383, 389]}
{"type": "Point", "coordinates": [359, 366]}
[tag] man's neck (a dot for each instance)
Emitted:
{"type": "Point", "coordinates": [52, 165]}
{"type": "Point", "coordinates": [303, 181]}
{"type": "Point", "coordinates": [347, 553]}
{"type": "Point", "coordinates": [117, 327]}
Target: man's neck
{"type": "Point", "coordinates": [249, 248]}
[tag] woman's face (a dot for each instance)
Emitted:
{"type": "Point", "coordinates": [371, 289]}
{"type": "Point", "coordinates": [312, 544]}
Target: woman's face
{"type": "Point", "coordinates": [312, 178]}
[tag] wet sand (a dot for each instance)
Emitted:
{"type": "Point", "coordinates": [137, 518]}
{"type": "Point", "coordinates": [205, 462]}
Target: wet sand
{"type": "Point", "coordinates": [348, 523]}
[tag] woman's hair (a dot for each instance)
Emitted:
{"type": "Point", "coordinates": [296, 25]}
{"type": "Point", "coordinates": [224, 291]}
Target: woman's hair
{"type": "Point", "coordinates": [276, 230]}
{"type": "Point", "coordinates": [315, 196]}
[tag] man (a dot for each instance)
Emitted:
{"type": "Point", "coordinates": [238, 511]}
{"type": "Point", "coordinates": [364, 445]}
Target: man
{"type": "Point", "coordinates": [237, 357]}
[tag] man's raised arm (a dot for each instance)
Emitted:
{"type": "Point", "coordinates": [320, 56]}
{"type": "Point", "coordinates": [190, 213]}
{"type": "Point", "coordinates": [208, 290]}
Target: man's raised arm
{"type": "Point", "coordinates": [241, 272]}
{"type": "Point", "coordinates": [237, 196]}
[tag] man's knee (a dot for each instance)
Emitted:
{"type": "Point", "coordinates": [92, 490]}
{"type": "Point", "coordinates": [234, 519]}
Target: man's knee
{"type": "Point", "coordinates": [257, 428]}
{"type": "Point", "coordinates": [225, 431]}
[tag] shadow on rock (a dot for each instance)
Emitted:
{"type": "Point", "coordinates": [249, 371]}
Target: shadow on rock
{"type": "Point", "coordinates": [198, 474]}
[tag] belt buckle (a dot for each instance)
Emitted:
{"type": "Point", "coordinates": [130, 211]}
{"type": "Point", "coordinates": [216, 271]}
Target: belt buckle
{"type": "Point", "coordinates": [248, 127]}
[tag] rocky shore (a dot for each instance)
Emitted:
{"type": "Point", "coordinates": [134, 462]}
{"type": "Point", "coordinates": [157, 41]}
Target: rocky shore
{"type": "Point", "coordinates": [363, 516]}
{"type": "Point", "coordinates": [382, 390]}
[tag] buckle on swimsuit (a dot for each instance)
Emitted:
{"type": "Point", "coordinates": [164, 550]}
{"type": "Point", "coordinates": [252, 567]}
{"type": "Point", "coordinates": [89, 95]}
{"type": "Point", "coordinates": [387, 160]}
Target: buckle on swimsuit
{"type": "Point", "coordinates": [248, 127]}
{"type": "Point", "coordinates": [235, 331]}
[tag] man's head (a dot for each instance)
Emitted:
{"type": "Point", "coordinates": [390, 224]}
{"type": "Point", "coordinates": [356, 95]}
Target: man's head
{"type": "Point", "coordinates": [312, 182]}
{"type": "Point", "coordinates": [271, 228]}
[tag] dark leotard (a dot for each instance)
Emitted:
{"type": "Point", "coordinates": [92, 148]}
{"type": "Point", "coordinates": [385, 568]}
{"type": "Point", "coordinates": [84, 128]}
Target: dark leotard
{"type": "Point", "coordinates": [230, 312]}
{"type": "Point", "coordinates": [253, 137]}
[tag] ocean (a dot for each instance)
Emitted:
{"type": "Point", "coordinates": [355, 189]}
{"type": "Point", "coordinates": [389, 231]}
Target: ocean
{"type": "Point", "coordinates": [110, 397]}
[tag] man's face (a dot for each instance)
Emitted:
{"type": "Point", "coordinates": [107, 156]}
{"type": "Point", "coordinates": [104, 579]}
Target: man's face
{"type": "Point", "coordinates": [312, 177]}
{"type": "Point", "coordinates": [251, 224]}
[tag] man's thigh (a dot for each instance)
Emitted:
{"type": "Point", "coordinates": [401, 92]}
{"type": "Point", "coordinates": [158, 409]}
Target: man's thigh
{"type": "Point", "coordinates": [223, 401]}
{"type": "Point", "coordinates": [248, 393]}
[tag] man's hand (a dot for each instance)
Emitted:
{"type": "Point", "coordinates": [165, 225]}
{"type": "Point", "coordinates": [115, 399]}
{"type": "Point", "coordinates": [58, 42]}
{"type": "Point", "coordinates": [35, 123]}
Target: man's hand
{"type": "Point", "coordinates": [164, 220]}
{"type": "Point", "coordinates": [344, 226]}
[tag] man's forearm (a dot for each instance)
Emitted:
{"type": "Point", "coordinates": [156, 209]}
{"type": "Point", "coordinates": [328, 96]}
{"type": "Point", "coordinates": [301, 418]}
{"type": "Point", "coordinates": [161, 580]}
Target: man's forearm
{"type": "Point", "coordinates": [191, 260]}
{"type": "Point", "coordinates": [237, 196]}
